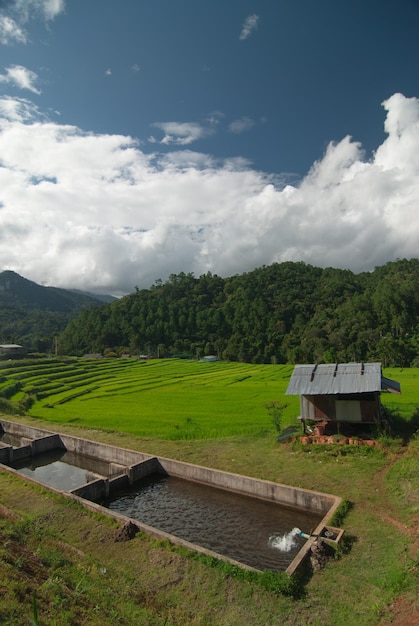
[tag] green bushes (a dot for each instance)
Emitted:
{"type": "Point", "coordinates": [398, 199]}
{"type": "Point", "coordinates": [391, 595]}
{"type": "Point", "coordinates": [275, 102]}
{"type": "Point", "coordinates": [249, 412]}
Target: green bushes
{"type": "Point", "coordinates": [7, 407]}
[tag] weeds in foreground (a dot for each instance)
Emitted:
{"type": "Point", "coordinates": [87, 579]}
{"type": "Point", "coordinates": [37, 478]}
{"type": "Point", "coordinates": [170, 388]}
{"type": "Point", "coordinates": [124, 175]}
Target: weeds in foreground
{"type": "Point", "coordinates": [278, 583]}
{"type": "Point", "coordinates": [341, 512]}
{"type": "Point", "coordinates": [275, 411]}
{"type": "Point", "coordinates": [34, 619]}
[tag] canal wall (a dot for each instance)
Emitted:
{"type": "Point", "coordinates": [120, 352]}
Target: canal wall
{"type": "Point", "coordinates": [312, 501]}
{"type": "Point", "coordinates": [41, 438]}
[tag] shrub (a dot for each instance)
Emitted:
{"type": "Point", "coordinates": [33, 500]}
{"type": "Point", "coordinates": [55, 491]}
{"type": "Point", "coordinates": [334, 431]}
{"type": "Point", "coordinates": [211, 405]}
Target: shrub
{"type": "Point", "coordinates": [275, 410]}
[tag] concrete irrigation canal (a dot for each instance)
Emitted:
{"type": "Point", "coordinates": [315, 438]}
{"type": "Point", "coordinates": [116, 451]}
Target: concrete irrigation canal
{"type": "Point", "coordinates": [252, 523]}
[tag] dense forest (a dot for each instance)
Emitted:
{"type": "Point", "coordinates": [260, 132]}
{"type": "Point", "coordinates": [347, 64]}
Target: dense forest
{"type": "Point", "coordinates": [285, 312]}
{"type": "Point", "coordinates": [33, 315]}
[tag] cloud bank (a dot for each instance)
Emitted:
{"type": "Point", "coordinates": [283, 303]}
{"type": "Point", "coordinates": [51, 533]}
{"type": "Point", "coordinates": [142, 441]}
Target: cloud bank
{"type": "Point", "coordinates": [96, 212]}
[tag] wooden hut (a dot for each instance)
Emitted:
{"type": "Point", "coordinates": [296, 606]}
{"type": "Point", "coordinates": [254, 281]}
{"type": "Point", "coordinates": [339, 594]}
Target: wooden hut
{"type": "Point", "coordinates": [340, 392]}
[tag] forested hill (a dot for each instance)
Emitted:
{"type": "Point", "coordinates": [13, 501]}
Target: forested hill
{"type": "Point", "coordinates": [32, 315]}
{"type": "Point", "coordinates": [287, 312]}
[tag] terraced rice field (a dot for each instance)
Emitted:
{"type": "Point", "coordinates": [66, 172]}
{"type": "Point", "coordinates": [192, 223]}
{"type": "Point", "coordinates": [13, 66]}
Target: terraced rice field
{"type": "Point", "coordinates": [168, 398]}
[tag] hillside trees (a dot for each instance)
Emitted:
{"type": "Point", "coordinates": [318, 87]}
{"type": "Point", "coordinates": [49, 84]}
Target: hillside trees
{"type": "Point", "coordinates": [286, 312]}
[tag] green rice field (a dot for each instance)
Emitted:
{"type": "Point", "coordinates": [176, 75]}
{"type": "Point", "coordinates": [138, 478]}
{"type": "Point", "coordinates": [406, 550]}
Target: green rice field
{"type": "Point", "coordinates": [171, 399]}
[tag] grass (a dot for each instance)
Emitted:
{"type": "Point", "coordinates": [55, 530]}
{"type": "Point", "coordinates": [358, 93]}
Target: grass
{"type": "Point", "coordinates": [402, 482]}
{"type": "Point", "coordinates": [407, 403]}
{"type": "Point", "coordinates": [68, 558]}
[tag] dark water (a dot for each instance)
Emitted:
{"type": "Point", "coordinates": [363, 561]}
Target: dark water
{"type": "Point", "coordinates": [63, 470]}
{"type": "Point", "coordinates": [235, 526]}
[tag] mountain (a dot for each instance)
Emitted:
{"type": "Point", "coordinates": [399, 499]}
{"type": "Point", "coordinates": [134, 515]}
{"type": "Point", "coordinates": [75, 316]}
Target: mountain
{"type": "Point", "coordinates": [102, 297]}
{"type": "Point", "coordinates": [32, 315]}
{"type": "Point", "coordinates": [16, 290]}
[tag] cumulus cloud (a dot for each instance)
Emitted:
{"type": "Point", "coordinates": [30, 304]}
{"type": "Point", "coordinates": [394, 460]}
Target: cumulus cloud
{"type": "Point", "coordinates": [249, 26]}
{"type": "Point", "coordinates": [21, 77]}
{"type": "Point", "coordinates": [97, 213]}
{"type": "Point", "coordinates": [180, 133]}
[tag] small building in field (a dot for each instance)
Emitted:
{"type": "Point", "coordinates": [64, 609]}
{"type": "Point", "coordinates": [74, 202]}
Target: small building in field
{"type": "Point", "coordinates": [10, 349]}
{"type": "Point", "coordinates": [210, 358]}
{"type": "Point", "coordinates": [340, 392]}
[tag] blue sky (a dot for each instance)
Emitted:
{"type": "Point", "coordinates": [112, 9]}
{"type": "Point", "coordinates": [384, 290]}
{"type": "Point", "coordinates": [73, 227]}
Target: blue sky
{"type": "Point", "coordinates": [143, 138]}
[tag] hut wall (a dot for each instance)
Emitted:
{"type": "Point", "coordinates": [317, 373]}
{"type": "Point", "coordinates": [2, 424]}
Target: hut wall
{"type": "Point", "coordinates": [318, 407]}
{"type": "Point", "coordinates": [349, 408]}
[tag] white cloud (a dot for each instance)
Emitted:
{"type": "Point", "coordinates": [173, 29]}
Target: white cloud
{"type": "Point", "coordinates": [51, 8]}
{"type": "Point", "coordinates": [10, 32]}
{"type": "Point", "coordinates": [181, 133]}
{"type": "Point", "coordinates": [241, 125]}
{"type": "Point", "coordinates": [250, 24]}
{"type": "Point", "coordinates": [97, 213]}
{"type": "Point", "coordinates": [214, 118]}
{"type": "Point", "coordinates": [48, 9]}
{"type": "Point", "coordinates": [21, 77]}
{"type": "Point", "coordinates": [19, 109]}
{"type": "Point", "coordinates": [14, 14]}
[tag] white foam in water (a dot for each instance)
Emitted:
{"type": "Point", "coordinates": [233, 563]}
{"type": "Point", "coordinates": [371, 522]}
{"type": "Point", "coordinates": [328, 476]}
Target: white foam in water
{"type": "Point", "coordinates": [285, 543]}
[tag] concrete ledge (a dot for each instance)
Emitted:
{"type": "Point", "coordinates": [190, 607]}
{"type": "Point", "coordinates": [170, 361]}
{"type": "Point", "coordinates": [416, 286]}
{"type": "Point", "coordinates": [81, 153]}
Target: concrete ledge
{"type": "Point", "coordinates": [95, 490]}
{"type": "Point", "coordinates": [119, 483]}
{"type": "Point", "coordinates": [46, 444]}
{"type": "Point", "coordinates": [143, 469]}
{"type": "Point", "coordinates": [105, 452]}
{"type": "Point", "coordinates": [6, 454]}
{"type": "Point", "coordinates": [18, 454]}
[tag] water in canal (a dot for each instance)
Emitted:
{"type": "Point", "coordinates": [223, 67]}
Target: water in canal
{"type": "Point", "coordinates": [61, 469]}
{"type": "Point", "coordinates": [242, 528]}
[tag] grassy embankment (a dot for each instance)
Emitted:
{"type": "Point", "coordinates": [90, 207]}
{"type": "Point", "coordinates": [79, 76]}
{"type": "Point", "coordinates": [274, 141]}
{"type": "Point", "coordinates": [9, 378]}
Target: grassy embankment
{"type": "Point", "coordinates": [212, 414]}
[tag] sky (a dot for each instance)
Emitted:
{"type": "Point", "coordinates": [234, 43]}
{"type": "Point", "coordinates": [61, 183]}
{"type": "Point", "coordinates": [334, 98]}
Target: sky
{"type": "Point", "coordinates": [142, 139]}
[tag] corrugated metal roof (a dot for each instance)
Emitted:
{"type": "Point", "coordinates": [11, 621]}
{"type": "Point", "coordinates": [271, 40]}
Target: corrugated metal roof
{"type": "Point", "coordinates": [338, 378]}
